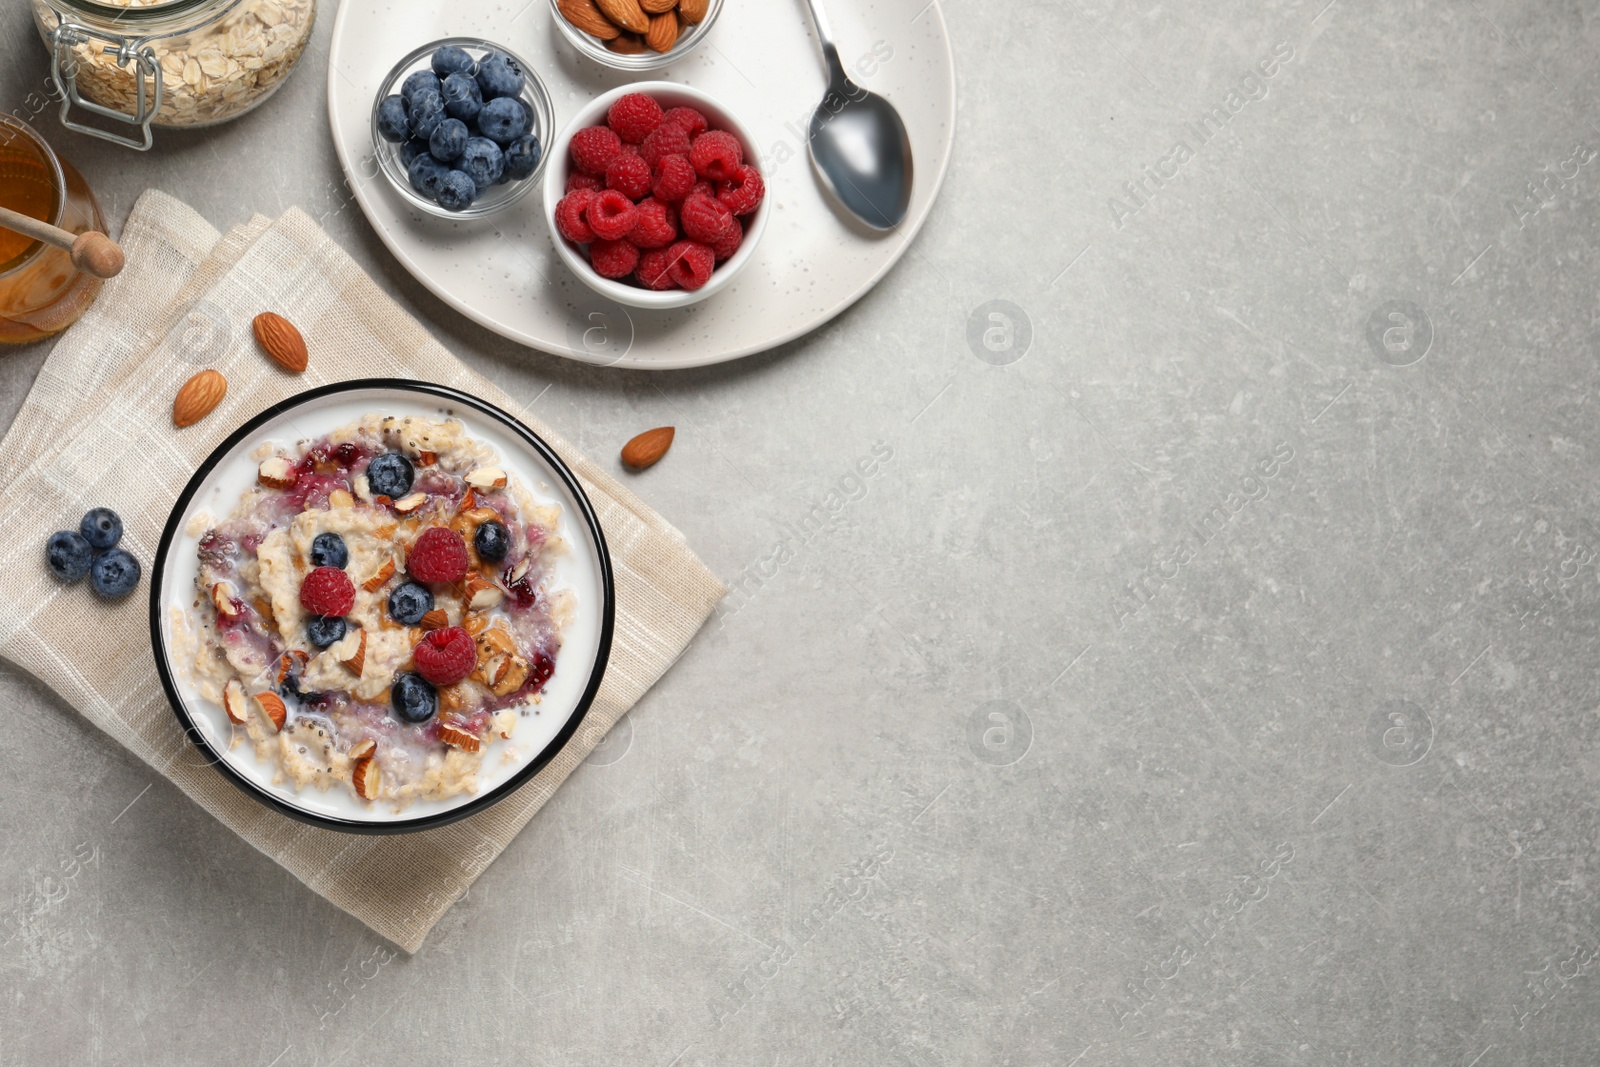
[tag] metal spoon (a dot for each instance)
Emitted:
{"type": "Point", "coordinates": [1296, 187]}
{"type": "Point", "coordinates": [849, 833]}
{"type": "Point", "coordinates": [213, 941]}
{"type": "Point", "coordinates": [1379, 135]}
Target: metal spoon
{"type": "Point", "coordinates": [858, 143]}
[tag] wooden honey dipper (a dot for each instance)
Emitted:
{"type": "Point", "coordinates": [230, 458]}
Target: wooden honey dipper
{"type": "Point", "coordinates": [92, 252]}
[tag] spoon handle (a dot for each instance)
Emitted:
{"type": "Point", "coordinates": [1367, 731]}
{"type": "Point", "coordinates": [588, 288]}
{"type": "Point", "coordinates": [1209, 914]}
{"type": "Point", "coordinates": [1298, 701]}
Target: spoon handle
{"type": "Point", "coordinates": [830, 53]}
{"type": "Point", "coordinates": [93, 253]}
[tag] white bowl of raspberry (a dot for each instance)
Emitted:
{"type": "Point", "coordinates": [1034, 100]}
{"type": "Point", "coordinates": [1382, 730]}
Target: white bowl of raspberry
{"type": "Point", "coordinates": [654, 195]}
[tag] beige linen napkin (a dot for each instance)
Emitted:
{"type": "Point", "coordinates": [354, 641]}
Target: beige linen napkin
{"type": "Point", "coordinates": [97, 430]}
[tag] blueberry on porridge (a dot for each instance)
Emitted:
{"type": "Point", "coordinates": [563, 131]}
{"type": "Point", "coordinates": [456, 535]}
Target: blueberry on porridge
{"type": "Point", "coordinates": [377, 611]}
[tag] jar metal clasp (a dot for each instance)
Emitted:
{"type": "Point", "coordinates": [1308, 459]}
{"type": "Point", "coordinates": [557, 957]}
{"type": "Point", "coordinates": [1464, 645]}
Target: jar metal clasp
{"type": "Point", "coordinates": [146, 71]}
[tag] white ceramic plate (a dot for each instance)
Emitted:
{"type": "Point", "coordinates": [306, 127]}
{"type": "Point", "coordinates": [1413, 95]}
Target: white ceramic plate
{"type": "Point", "coordinates": [762, 60]}
{"type": "Point", "coordinates": [585, 569]}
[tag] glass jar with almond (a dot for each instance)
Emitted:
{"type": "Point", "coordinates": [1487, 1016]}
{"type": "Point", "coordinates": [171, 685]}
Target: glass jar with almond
{"type": "Point", "coordinates": [174, 63]}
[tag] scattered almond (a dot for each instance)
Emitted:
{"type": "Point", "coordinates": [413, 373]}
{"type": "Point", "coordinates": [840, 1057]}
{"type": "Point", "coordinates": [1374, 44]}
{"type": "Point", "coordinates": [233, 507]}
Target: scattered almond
{"type": "Point", "coordinates": [625, 13]}
{"type": "Point", "coordinates": [587, 17]}
{"type": "Point", "coordinates": [356, 662]}
{"type": "Point", "coordinates": [407, 504]}
{"type": "Point", "coordinates": [272, 709]}
{"type": "Point", "coordinates": [281, 341]}
{"type": "Point", "coordinates": [626, 43]}
{"type": "Point", "coordinates": [383, 574]}
{"type": "Point", "coordinates": [693, 10]}
{"type": "Point", "coordinates": [291, 663]}
{"type": "Point", "coordinates": [647, 448]}
{"type": "Point", "coordinates": [363, 749]}
{"type": "Point", "coordinates": [434, 619]}
{"type": "Point", "coordinates": [469, 500]}
{"type": "Point", "coordinates": [341, 498]}
{"type": "Point", "coordinates": [482, 594]}
{"type": "Point", "coordinates": [663, 32]}
{"type": "Point", "coordinates": [519, 570]}
{"type": "Point", "coordinates": [487, 478]}
{"type": "Point", "coordinates": [511, 676]}
{"type": "Point", "coordinates": [276, 472]}
{"type": "Point", "coordinates": [222, 600]}
{"type": "Point", "coordinates": [198, 396]}
{"type": "Point", "coordinates": [365, 777]}
{"type": "Point", "coordinates": [234, 701]}
{"type": "Point", "coordinates": [656, 7]}
{"type": "Point", "coordinates": [456, 737]}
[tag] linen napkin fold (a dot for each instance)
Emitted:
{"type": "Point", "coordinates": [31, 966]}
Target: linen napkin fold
{"type": "Point", "coordinates": [96, 429]}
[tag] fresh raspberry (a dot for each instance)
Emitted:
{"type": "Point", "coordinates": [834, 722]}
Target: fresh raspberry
{"type": "Point", "coordinates": [570, 216]}
{"type": "Point", "coordinates": [725, 246]}
{"type": "Point", "coordinates": [629, 175]}
{"type": "Point", "coordinates": [628, 150]}
{"type": "Point", "coordinates": [703, 186]}
{"type": "Point", "coordinates": [716, 155]}
{"type": "Point", "coordinates": [704, 218]}
{"type": "Point", "coordinates": [439, 555]}
{"type": "Point", "coordinates": [693, 123]}
{"type": "Point", "coordinates": [611, 215]}
{"type": "Point", "coordinates": [593, 149]}
{"type": "Point", "coordinates": [668, 139]}
{"type": "Point", "coordinates": [634, 116]}
{"type": "Point", "coordinates": [691, 264]}
{"type": "Point", "coordinates": [742, 193]}
{"type": "Point", "coordinates": [657, 226]}
{"type": "Point", "coordinates": [579, 180]}
{"type": "Point", "coordinates": [655, 270]}
{"type": "Point", "coordinates": [445, 656]}
{"type": "Point", "coordinates": [674, 177]}
{"type": "Point", "coordinates": [328, 591]}
{"type": "Point", "coordinates": [613, 259]}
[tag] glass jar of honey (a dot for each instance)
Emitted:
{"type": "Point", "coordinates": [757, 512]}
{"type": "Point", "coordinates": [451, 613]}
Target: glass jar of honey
{"type": "Point", "coordinates": [41, 292]}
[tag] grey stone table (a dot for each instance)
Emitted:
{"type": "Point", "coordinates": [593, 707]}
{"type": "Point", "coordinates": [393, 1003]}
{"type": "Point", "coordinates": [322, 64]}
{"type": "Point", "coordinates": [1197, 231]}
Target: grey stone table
{"type": "Point", "coordinates": [1206, 673]}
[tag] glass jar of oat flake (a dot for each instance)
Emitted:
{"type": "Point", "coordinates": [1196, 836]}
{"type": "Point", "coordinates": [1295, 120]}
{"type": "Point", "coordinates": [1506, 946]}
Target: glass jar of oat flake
{"type": "Point", "coordinates": [173, 63]}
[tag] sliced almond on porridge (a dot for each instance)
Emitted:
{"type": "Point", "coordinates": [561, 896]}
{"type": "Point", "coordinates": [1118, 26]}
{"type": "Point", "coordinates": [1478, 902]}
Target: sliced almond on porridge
{"type": "Point", "coordinates": [341, 498]}
{"type": "Point", "coordinates": [410, 503]}
{"type": "Point", "coordinates": [291, 662]}
{"type": "Point", "coordinates": [481, 594]}
{"type": "Point", "coordinates": [234, 701]}
{"type": "Point", "coordinates": [519, 570]}
{"type": "Point", "coordinates": [365, 777]}
{"type": "Point", "coordinates": [487, 478]}
{"type": "Point", "coordinates": [426, 458]}
{"type": "Point", "coordinates": [356, 660]}
{"type": "Point", "coordinates": [383, 574]}
{"type": "Point", "coordinates": [469, 500]}
{"type": "Point", "coordinates": [511, 676]}
{"type": "Point", "coordinates": [272, 709]}
{"type": "Point", "coordinates": [456, 737]}
{"type": "Point", "coordinates": [434, 619]}
{"type": "Point", "coordinates": [363, 749]}
{"type": "Point", "coordinates": [222, 600]}
{"type": "Point", "coordinates": [276, 472]}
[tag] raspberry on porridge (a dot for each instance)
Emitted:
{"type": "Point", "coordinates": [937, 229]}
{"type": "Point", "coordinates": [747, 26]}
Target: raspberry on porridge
{"type": "Point", "coordinates": [377, 611]}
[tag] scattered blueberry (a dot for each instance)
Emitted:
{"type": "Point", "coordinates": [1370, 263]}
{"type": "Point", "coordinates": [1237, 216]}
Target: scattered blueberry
{"type": "Point", "coordinates": [114, 573]}
{"type": "Point", "coordinates": [328, 550]}
{"type": "Point", "coordinates": [409, 602]}
{"type": "Point", "coordinates": [462, 97]}
{"type": "Point", "coordinates": [448, 140]}
{"type": "Point", "coordinates": [414, 698]}
{"type": "Point", "coordinates": [324, 630]}
{"type": "Point", "coordinates": [391, 474]}
{"type": "Point", "coordinates": [458, 192]}
{"type": "Point", "coordinates": [482, 161]}
{"type": "Point", "coordinates": [522, 156]}
{"type": "Point", "coordinates": [499, 75]}
{"type": "Point", "coordinates": [427, 175]}
{"type": "Point", "coordinates": [411, 150]}
{"type": "Point", "coordinates": [422, 79]}
{"type": "Point", "coordinates": [394, 123]}
{"type": "Point", "coordinates": [452, 60]}
{"type": "Point", "coordinates": [101, 527]}
{"type": "Point", "coordinates": [68, 555]}
{"type": "Point", "coordinates": [492, 541]}
{"type": "Point", "coordinates": [427, 111]}
{"type": "Point", "coordinates": [505, 119]}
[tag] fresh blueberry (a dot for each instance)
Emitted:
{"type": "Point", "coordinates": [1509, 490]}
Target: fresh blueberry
{"type": "Point", "coordinates": [462, 97]}
{"type": "Point", "coordinates": [114, 574]}
{"type": "Point", "coordinates": [391, 474]}
{"type": "Point", "coordinates": [68, 555]}
{"type": "Point", "coordinates": [482, 161]}
{"type": "Point", "coordinates": [427, 111]}
{"type": "Point", "coordinates": [409, 602]}
{"type": "Point", "coordinates": [448, 140]}
{"type": "Point", "coordinates": [414, 698]}
{"type": "Point", "coordinates": [452, 60]}
{"type": "Point", "coordinates": [328, 550]}
{"type": "Point", "coordinates": [324, 630]}
{"type": "Point", "coordinates": [505, 119]}
{"type": "Point", "coordinates": [101, 527]}
{"type": "Point", "coordinates": [492, 541]}
{"type": "Point", "coordinates": [411, 150]}
{"type": "Point", "coordinates": [394, 122]}
{"type": "Point", "coordinates": [427, 175]}
{"type": "Point", "coordinates": [458, 192]}
{"type": "Point", "coordinates": [499, 75]}
{"type": "Point", "coordinates": [522, 156]}
{"type": "Point", "coordinates": [422, 79]}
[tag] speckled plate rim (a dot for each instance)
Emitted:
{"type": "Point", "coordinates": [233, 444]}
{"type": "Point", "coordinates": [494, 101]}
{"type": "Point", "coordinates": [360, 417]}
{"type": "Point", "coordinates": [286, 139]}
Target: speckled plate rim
{"type": "Point", "coordinates": [179, 515]}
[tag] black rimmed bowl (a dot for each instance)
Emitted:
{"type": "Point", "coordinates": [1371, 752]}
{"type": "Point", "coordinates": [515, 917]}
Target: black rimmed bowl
{"type": "Point", "coordinates": [585, 568]}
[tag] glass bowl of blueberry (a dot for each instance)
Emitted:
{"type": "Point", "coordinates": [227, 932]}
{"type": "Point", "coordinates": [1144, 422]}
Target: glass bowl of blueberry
{"type": "Point", "coordinates": [460, 127]}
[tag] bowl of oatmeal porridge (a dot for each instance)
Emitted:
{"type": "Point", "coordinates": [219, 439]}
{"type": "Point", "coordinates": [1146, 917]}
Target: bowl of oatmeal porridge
{"type": "Point", "coordinates": [381, 606]}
